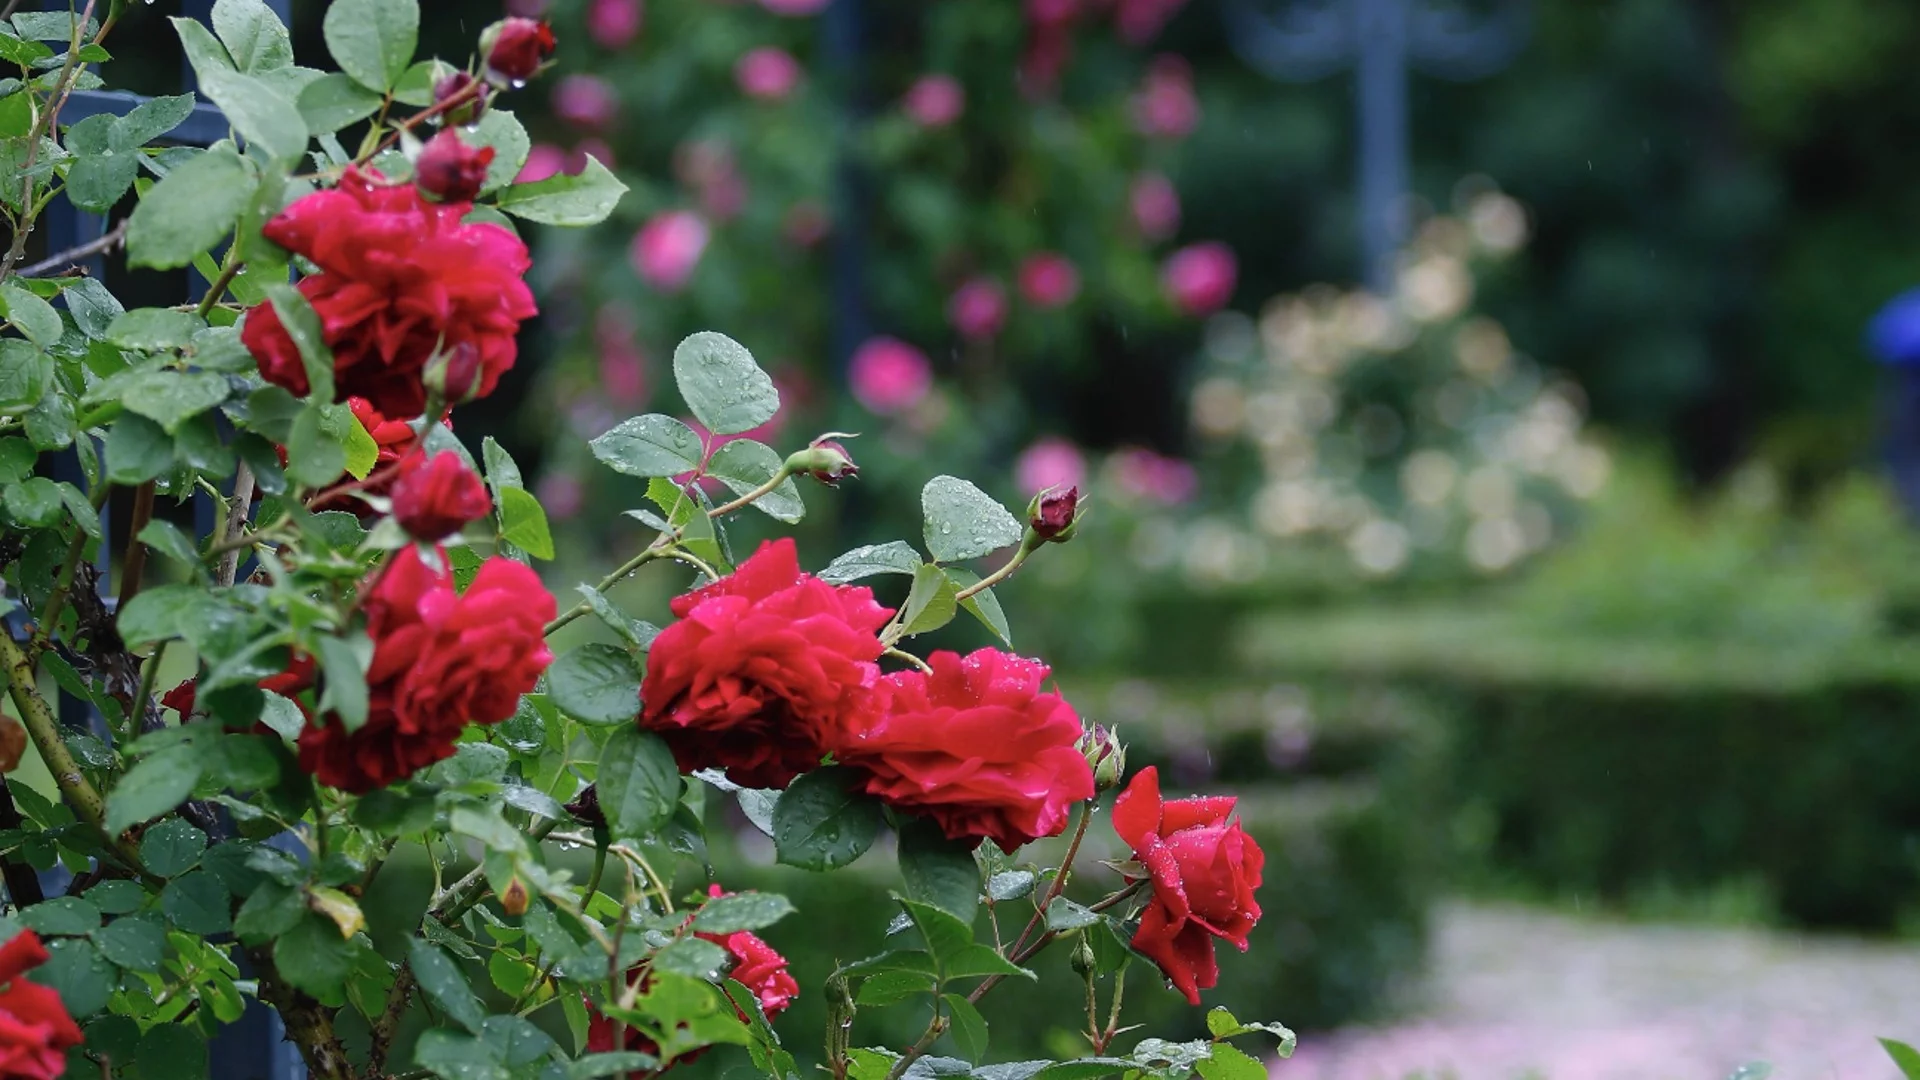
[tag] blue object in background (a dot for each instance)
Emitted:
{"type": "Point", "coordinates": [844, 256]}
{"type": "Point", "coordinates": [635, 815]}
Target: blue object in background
{"type": "Point", "coordinates": [1893, 337]}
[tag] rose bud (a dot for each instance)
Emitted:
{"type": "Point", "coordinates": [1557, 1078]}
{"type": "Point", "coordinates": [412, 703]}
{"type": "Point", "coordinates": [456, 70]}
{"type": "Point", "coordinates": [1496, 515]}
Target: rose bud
{"type": "Point", "coordinates": [824, 459]}
{"type": "Point", "coordinates": [1053, 514]}
{"type": "Point", "coordinates": [450, 170]}
{"type": "Point", "coordinates": [515, 48]}
{"type": "Point", "coordinates": [454, 374]}
{"type": "Point", "coordinates": [460, 97]}
{"type": "Point", "coordinates": [1106, 755]}
{"type": "Point", "coordinates": [514, 899]}
{"type": "Point", "coordinates": [436, 498]}
{"type": "Point", "coordinates": [585, 808]}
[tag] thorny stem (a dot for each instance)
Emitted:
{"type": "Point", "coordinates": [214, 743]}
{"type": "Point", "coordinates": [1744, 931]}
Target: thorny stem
{"type": "Point", "coordinates": [219, 287]}
{"type": "Point", "coordinates": [780, 476]}
{"type": "Point", "coordinates": [135, 563]}
{"type": "Point", "coordinates": [72, 256]}
{"type": "Point", "coordinates": [236, 521]}
{"type": "Point", "coordinates": [654, 551]}
{"type": "Point", "coordinates": [384, 1028]}
{"type": "Point", "coordinates": [1060, 879]}
{"type": "Point", "coordinates": [63, 581]}
{"type": "Point", "coordinates": [472, 91]}
{"type": "Point", "coordinates": [151, 672]}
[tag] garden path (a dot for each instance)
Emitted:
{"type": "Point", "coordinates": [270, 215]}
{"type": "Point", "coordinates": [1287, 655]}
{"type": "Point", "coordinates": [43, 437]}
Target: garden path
{"type": "Point", "coordinates": [1518, 994]}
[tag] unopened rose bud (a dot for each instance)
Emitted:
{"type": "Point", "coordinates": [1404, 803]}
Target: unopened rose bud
{"type": "Point", "coordinates": [450, 170]}
{"type": "Point", "coordinates": [1106, 755]}
{"type": "Point", "coordinates": [515, 48]}
{"type": "Point", "coordinates": [460, 97]}
{"type": "Point", "coordinates": [454, 374]}
{"type": "Point", "coordinates": [514, 899]}
{"type": "Point", "coordinates": [1053, 514]}
{"type": "Point", "coordinates": [824, 459]}
{"type": "Point", "coordinates": [1083, 960]}
{"type": "Point", "coordinates": [585, 808]}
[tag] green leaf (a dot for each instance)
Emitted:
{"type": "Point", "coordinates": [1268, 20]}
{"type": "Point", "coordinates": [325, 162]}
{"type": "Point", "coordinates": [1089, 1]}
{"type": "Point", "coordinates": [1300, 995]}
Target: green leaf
{"type": "Point", "coordinates": [893, 987]}
{"type": "Point", "coordinates": [22, 52]}
{"type": "Point", "coordinates": [1010, 885]}
{"type": "Point", "coordinates": [453, 1056]}
{"type": "Point", "coordinates": [523, 522]}
{"type": "Point", "coordinates": [313, 957]}
{"type": "Point", "coordinates": [892, 557]}
{"type": "Point", "coordinates": [117, 897]}
{"type": "Point", "coordinates": [515, 1040]}
{"type": "Point", "coordinates": [363, 454]}
{"type": "Point", "coordinates": [253, 35]}
{"type": "Point", "coordinates": [823, 822]}
{"type": "Point", "coordinates": [197, 903]}
{"type": "Point", "coordinates": [1904, 1056]}
{"type": "Point", "coordinates": [982, 605]}
{"type": "Point", "coordinates": [1222, 1025]}
{"type": "Point", "coordinates": [1064, 914]}
{"type": "Point", "coordinates": [1228, 1062]}
{"type": "Point", "coordinates": [137, 449]}
{"type": "Point", "coordinates": [595, 684]}
{"type": "Point", "coordinates": [24, 374]}
{"type": "Point", "coordinates": [333, 101]}
{"type": "Point", "coordinates": [487, 825]}
{"type": "Point", "coordinates": [445, 986]}
{"type": "Point", "coordinates": [963, 522]}
{"type": "Point", "coordinates": [35, 317]}
{"type": "Point", "coordinates": [34, 502]}
{"type": "Point", "coordinates": [303, 325]}
{"type": "Point", "coordinates": [345, 660]}
{"type": "Point", "coordinates": [150, 120]}
{"type": "Point", "coordinates": [156, 785]}
{"type": "Point", "coordinates": [415, 86]}
{"type": "Point", "coordinates": [585, 199]}
{"type": "Point", "coordinates": [638, 782]}
{"type": "Point", "coordinates": [154, 329]}
{"type": "Point", "coordinates": [501, 130]}
{"type": "Point", "coordinates": [969, 1028]}
{"type": "Point", "coordinates": [743, 465]}
{"type": "Point", "coordinates": [259, 112]}
{"type": "Point", "coordinates": [138, 942]}
{"type": "Point", "coordinates": [172, 847]}
{"type": "Point", "coordinates": [272, 909]}
{"type": "Point", "coordinates": [651, 445]}
{"type": "Point", "coordinates": [372, 40]}
{"type": "Point", "coordinates": [947, 936]}
{"type": "Point", "coordinates": [692, 956]}
{"type": "Point", "coordinates": [99, 175]}
{"type": "Point", "coordinates": [637, 632]}
{"type": "Point", "coordinates": [937, 870]}
{"type": "Point", "coordinates": [741, 911]}
{"type": "Point", "coordinates": [1109, 943]}
{"type": "Point", "coordinates": [930, 603]}
{"type": "Point", "coordinates": [65, 916]}
{"type": "Point", "coordinates": [171, 398]}
{"type": "Point", "coordinates": [189, 211]}
{"type": "Point", "coordinates": [313, 457]}
{"type": "Point", "coordinates": [176, 1051]}
{"type": "Point", "coordinates": [94, 308]}
{"type": "Point", "coordinates": [722, 384]}
{"type": "Point", "coordinates": [79, 974]}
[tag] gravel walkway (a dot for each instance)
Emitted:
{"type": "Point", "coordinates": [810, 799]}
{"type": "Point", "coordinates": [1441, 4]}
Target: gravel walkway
{"type": "Point", "coordinates": [1520, 995]}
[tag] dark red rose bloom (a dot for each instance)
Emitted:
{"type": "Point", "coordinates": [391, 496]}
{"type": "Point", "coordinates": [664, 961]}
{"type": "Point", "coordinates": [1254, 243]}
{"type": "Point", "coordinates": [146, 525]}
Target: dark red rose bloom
{"type": "Point", "coordinates": [1054, 512]}
{"type": "Point", "coordinates": [184, 698]}
{"type": "Point", "coordinates": [437, 497]}
{"type": "Point", "coordinates": [976, 746]}
{"type": "Point", "coordinates": [756, 966]}
{"type": "Point", "coordinates": [400, 279]}
{"type": "Point", "coordinates": [516, 47]}
{"type": "Point", "coordinates": [763, 671]}
{"type": "Point", "coordinates": [441, 660]}
{"type": "Point", "coordinates": [1204, 869]}
{"type": "Point", "coordinates": [35, 1029]}
{"type": "Point", "coordinates": [450, 170]}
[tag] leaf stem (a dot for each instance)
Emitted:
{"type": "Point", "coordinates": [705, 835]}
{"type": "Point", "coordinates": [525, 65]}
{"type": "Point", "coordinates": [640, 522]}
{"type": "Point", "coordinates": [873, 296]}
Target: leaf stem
{"type": "Point", "coordinates": [217, 289]}
{"type": "Point", "coordinates": [780, 476]}
{"type": "Point", "coordinates": [653, 551]}
{"type": "Point", "coordinates": [1006, 571]}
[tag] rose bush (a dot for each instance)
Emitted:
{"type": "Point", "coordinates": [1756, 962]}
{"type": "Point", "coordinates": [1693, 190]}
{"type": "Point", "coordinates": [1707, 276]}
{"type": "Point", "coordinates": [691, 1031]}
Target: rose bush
{"type": "Point", "coordinates": [377, 679]}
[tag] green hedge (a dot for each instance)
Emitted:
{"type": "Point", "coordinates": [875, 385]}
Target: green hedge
{"type": "Point", "coordinates": [1625, 768]}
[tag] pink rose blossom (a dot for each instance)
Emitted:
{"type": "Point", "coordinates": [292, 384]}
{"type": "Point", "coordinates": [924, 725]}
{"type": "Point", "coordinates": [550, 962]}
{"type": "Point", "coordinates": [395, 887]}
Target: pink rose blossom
{"type": "Point", "coordinates": [1049, 279]}
{"type": "Point", "coordinates": [889, 376]}
{"type": "Point", "coordinates": [543, 161]}
{"type": "Point", "coordinates": [561, 495]}
{"type": "Point", "coordinates": [978, 308]}
{"type": "Point", "coordinates": [668, 247]}
{"type": "Point", "coordinates": [1155, 205]}
{"type": "Point", "coordinates": [934, 101]}
{"type": "Point", "coordinates": [589, 148]}
{"type": "Point", "coordinates": [585, 101]}
{"type": "Point", "coordinates": [1051, 462]}
{"type": "Point", "coordinates": [767, 73]}
{"type": "Point", "coordinates": [1144, 474]}
{"type": "Point", "coordinates": [1199, 278]}
{"type": "Point", "coordinates": [613, 24]}
{"type": "Point", "coordinates": [795, 8]}
{"type": "Point", "coordinates": [1165, 107]}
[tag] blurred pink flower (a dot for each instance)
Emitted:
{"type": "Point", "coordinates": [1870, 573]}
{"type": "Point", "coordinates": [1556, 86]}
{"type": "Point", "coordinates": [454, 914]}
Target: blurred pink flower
{"type": "Point", "coordinates": [934, 101]}
{"type": "Point", "coordinates": [585, 101]}
{"type": "Point", "coordinates": [701, 162]}
{"type": "Point", "coordinates": [978, 308]}
{"type": "Point", "coordinates": [795, 7]}
{"type": "Point", "coordinates": [1165, 107]}
{"type": "Point", "coordinates": [807, 223]}
{"type": "Point", "coordinates": [767, 73]}
{"type": "Point", "coordinates": [1199, 278]}
{"type": "Point", "coordinates": [1049, 462]}
{"type": "Point", "coordinates": [724, 198]}
{"type": "Point", "coordinates": [1147, 475]}
{"type": "Point", "coordinates": [623, 365]}
{"type": "Point", "coordinates": [889, 376]}
{"type": "Point", "coordinates": [1049, 47]}
{"type": "Point", "coordinates": [1139, 21]}
{"type": "Point", "coordinates": [561, 495]}
{"type": "Point", "coordinates": [1052, 12]}
{"type": "Point", "coordinates": [1049, 279]}
{"type": "Point", "coordinates": [543, 161]}
{"type": "Point", "coordinates": [613, 24]}
{"type": "Point", "coordinates": [589, 148]}
{"type": "Point", "coordinates": [1155, 205]}
{"type": "Point", "coordinates": [668, 247]}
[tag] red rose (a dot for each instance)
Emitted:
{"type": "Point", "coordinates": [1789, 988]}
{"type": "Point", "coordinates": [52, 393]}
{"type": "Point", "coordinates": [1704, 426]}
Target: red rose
{"type": "Point", "coordinates": [516, 47]}
{"type": "Point", "coordinates": [435, 498]}
{"type": "Point", "coordinates": [184, 698]}
{"type": "Point", "coordinates": [976, 746]}
{"type": "Point", "coordinates": [441, 660]}
{"type": "Point", "coordinates": [763, 670]}
{"type": "Point", "coordinates": [450, 170]}
{"type": "Point", "coordinates": [756, 966]}
{"type": "Point", "coordinates": [1204, 869]}
{"type": "Point", "coordinates": [35, 1030]}
{"type": "Point", "coordinates": [400, 279]}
